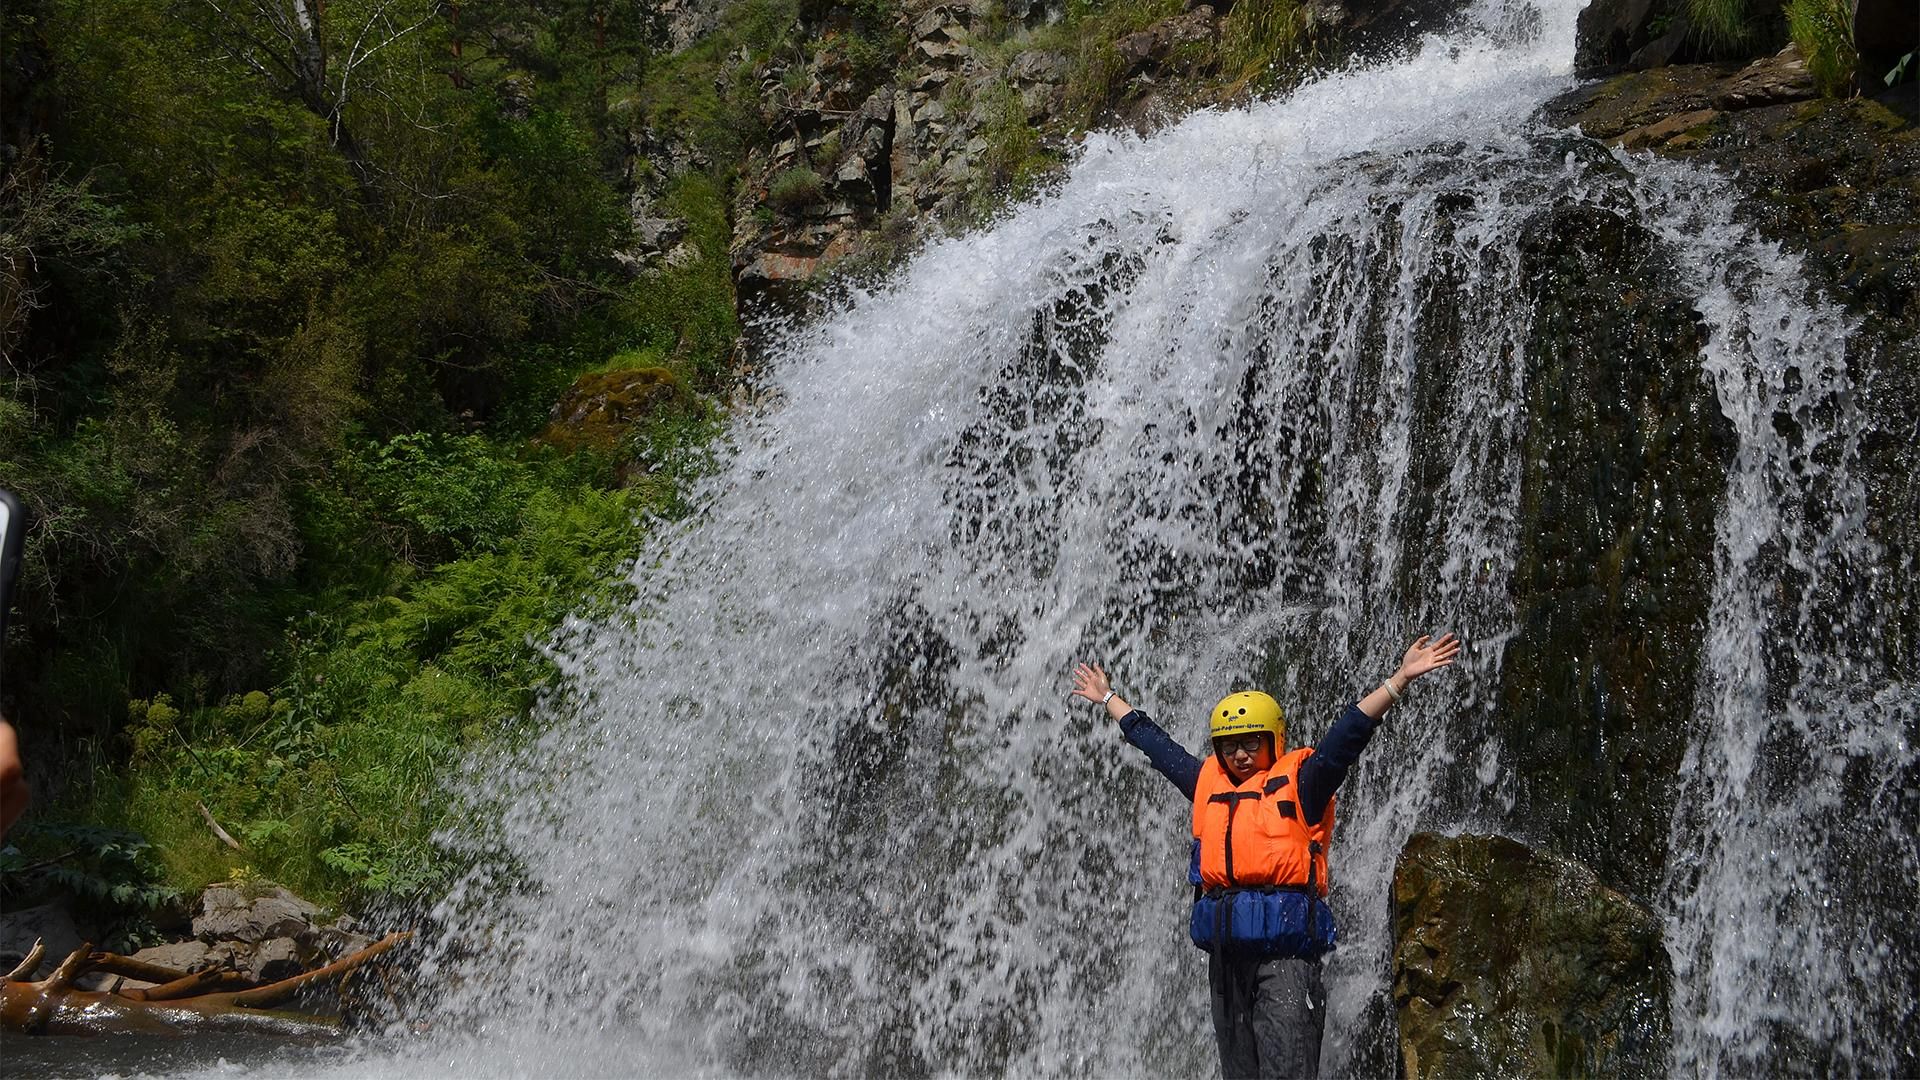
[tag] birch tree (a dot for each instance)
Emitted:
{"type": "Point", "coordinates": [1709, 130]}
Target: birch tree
{"type": "Point", "coordinates": [318, 52]}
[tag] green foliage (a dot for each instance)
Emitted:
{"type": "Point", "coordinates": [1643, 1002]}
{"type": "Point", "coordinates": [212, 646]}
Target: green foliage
{"type": "Point", "coordinates": [1014, 159]}
{"type": "Point", "coordinates": [333, 781]}
{"type": "Point", "coordinates": [271, 380]}
{"type": "Point", "coordinates": [45, 218]}
{"type": "Point", "coordinates": [110, 874]}
{"type": "Point", "coordinates": [1899, 70]}
{"type": "Point", "coordinates": [1089, 28]}
{"type": "Point", "coordinates": [1258, 36]}
{"type": "Point", "coordinates": [706, 94]}
{"type": "Point", "coordinates": [1823, 30]}
{"type": "Point", "coordinates": [795, 190]}
{"type": "Point", "coordinates": [1724, 26]}
{"type": "Point", "coordinates": [686, 313]}
{"type": "Point", "coordinates": [441, 497]}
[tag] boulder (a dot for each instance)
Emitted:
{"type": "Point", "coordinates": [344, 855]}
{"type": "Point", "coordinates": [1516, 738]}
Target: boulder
{"type": "Point", "coordinates": [1610, 109]}
{"type": "Point", "coordinates": [233, 912]}
{"type": "Point", "coordinates": [276, 959]}
{"type": "Point", "coordinates": [772, 272]}
{"type": "Point", "coordinates": [1774, 80]}
{"type": "Point", "coordinates": [659, 233]}
{"type": "Point", "coordinates": [48, 923]}
{"type": "Point", "coordinates": [1155, 46]}
{"type": "Point", "coordinates": [687, 21]}
{"type": "Point", "coordinates": [1040, 66]}
{"type": "Point", "coordinates": [184, 955]}
{"type": "Point", "coordinates": [1620, 35]}
{"type": "Point", "coordinates": [1372, 27]}
{"type": "Point", "coordinates": [1512, 962]}
{"type": "Point", "coordinates": [341, 939]}
{"type": "Point", "coordinates": [600, 408]}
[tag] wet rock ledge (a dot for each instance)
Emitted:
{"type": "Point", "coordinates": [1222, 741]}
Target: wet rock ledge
{"type": "Point", "coordinates": [1511, 962]}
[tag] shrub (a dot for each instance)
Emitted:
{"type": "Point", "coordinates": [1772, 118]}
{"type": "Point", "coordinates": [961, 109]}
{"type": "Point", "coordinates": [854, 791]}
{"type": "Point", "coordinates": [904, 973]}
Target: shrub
{"type": "Point", "coordinates": [1014, 158]}
{"type": "Point", "coordinates": [795, 190]}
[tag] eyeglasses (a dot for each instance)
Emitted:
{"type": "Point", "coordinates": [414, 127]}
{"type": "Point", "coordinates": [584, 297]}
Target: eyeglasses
{"type": "Point", "coordinates": [1249, 745]}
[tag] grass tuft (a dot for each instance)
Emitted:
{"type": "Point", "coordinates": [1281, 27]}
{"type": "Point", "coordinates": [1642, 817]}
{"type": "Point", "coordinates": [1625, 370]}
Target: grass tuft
{"type": "Point", "coordinates": [1823, 30]}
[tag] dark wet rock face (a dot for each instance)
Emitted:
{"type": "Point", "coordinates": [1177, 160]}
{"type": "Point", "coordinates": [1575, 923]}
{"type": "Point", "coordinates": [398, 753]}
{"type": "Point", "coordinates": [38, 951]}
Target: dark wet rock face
{"type": "Point", "coordinates": [1632, 35]}
{"type": "Point", "coordinates": [1626, 453]}
{"type": "Point", "coordinates": [1836, 182]}
{"type": "Point", "coordinates": [1508, 962]}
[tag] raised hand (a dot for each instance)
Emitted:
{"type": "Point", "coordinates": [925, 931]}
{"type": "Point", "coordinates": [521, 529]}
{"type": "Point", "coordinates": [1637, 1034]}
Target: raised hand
{"type": "Point", "coordinates": [1090, 682]}
{"type": "Point", "coordinates": [1428, 653]}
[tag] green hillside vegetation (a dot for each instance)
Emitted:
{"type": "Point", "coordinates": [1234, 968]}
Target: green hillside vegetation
{"type": "Point", "coordinates": [279, 339]}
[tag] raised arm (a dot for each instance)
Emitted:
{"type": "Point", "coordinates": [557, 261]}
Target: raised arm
{"type": "Point", "coordinates": [1323, 773]}
{"type": "Point", "coordinates": [1169, 758]}
{"type": "Point", "coordinates": [1424, 655]}
{"type": "Point", "coordinates": [1090, 682]}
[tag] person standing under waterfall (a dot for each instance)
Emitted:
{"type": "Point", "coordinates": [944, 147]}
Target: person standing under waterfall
{"type": "Point", "coordinates": [1262, 824]}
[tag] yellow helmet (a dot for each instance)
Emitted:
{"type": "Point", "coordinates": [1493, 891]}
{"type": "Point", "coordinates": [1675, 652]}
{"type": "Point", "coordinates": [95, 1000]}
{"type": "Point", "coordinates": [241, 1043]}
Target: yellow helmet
{"type": "Point", "coordinates": [1249, 710]}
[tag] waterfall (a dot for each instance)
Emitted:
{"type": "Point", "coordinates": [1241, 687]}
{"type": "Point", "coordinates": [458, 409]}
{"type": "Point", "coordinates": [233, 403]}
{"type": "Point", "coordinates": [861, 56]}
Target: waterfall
{"type": "Point", "coordinates": [1795, 857]}
{"type": "Point", "coordinates": [1240, 404]}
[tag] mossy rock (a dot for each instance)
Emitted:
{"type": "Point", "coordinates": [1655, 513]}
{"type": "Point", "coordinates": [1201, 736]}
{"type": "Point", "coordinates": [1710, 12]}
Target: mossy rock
{"type": "Point", "coordinates": [602, 407]}
{"type": "Point", "coordinates": [1510, 962]}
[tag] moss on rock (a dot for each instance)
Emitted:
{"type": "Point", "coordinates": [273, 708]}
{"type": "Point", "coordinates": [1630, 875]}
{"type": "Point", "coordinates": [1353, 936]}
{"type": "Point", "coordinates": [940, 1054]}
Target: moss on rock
{"type": "Point", "coordinates": [1508, 962]}
{"type": "Point", "coordinates": [602, 407]}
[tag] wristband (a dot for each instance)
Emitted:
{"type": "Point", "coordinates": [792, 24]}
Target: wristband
{"type": "Point", "coordinates": [1392, 691]}
{"type": "Point", "coordinates": [1109, 697]}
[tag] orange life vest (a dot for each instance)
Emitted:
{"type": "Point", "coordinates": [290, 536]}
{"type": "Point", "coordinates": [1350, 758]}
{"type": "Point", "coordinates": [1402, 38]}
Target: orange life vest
{"type": "Point", "coordinates": [1254, 834]}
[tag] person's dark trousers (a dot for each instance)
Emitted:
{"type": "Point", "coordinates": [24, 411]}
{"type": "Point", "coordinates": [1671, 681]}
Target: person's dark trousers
{"type": "Point", "coordinates": [1268, 1016]}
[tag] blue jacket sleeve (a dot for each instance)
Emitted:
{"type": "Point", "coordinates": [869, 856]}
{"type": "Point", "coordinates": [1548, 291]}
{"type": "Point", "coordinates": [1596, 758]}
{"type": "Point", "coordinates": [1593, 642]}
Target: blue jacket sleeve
{"type": "Point", "coordinates": [1322, 772]}
{"type": "Point", "coordinates": [1168, 757]}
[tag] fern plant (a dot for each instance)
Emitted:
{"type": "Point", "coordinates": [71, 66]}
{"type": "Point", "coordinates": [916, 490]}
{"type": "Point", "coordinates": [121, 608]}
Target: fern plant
{"type": "Point", "coordinates": [108, 873]}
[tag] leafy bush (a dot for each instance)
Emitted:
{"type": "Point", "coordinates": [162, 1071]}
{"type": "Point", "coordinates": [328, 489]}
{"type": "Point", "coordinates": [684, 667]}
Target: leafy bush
{"type": "Point", "coordinates": [795, 190]}
{"type": "Point", "coordinates": [111, 875]}
{"type": "Point", "coordinates": [1014, 158]}
{"type": "Point", "coordinates": [686, 313]}
{"type": "Point", "coordinates": [441, 496]}
{"type": "Point", "coordinates": [333, 782]}
{"type": "Point", "coordinates": [269, 393]}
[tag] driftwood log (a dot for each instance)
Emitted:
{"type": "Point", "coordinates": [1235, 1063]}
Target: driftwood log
{"type": "Point", "coordinates": [182, 1002]}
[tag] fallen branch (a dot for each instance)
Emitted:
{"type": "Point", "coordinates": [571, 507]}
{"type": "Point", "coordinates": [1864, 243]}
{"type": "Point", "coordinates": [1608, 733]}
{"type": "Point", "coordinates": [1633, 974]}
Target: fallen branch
{"type": "Point", "coordinates": [217, 830]}
{"type": "Point", "coordinates": [71, 967]}
{"type": "Point", "coordinates": [31, 963]}
{"type": "Point", "coordinates": [200, 982]}
{"type": "Point", "coordinates": [115, 964]}
{"type": "Point", "coordinates": [274, 993]}
{"type": "Point", "coordinates": [186, 1002]}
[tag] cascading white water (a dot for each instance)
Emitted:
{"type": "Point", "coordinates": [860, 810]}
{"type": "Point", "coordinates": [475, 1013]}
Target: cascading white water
{"type": "Point", "coordinates": [1794, 864]}
{"type": "Point", "coordinates": [820, 804]}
